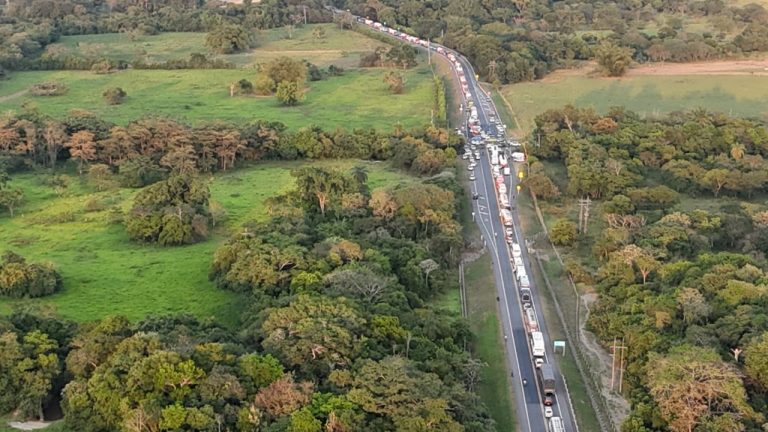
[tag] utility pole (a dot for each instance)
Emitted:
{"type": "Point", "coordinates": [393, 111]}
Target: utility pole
{"type": "Point", "coordinates": [305, 14]}
{"type": "Point", "coordinates": [621, 362]}
{"type": "Point", "coordinates": [584, 204]}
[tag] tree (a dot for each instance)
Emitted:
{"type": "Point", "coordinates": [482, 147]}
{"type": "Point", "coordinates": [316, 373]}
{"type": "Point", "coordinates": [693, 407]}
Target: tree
{"type": "Point", "coordinates": [395, 81]}
{"type": "Point", "coordinates": [171, 212]}
{"type": "Point", "coordinates": [82, 148]}
{"type": "Point", "coordinates": [613, 60]}
{"type": "Point", "coordinates": [314, 333]}
{"type": "Point", "coordinates": [715, 179]}
{"type": "Point", "coordinates": [693, 304]}
{"type": "Point", "coordinates": [228, 38]}
{"type": "Point", "coordinates": [754, 360]}
{"type": "Point", "coordinates": [320, 186]}
{"type": "Point", "coordinates": [35, 373]}
{"type": "Point", "coordinates": [114, 95]}
{"type": "Point", "coordinates": [10, 198]}
{"type": "Point", "coordinates": [288, 93]}
{"type": "Point", "coordinates": [303, 420]}
{"type": "Point", "coordinates": [383, 204]}
{"type": "Point", "coordinates": [286, 69]}
{"type": "Point", "coordinates": [19, 279]}
{"type": "Point", "coordinates": [55, 136]}
{"type": "Point", "coordinates": [100, 177]}
{"type": "Point", "coordinates": [692, 385]}
{"type": "Point", "coordinates": [563, 233]}
{"type": "Point", "coordinates": [264, 85]}
{"type": "Point", "coordinates": [318, 33]}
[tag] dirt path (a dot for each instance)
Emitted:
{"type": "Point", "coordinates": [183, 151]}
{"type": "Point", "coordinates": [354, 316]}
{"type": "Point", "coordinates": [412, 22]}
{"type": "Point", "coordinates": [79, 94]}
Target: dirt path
{"type": "Point", "coordinates": [13, 96]}
{"type": "Point", "coordinates": [757, 67]}
{"type": "Point", "coordinates": [28, 426]}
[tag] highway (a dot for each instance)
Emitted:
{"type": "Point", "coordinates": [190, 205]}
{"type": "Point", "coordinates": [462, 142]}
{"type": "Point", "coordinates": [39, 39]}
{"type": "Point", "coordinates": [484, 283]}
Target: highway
{"type": "Point", "coordinates": [529, 408]}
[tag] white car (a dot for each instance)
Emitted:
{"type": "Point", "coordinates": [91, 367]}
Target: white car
{"type": "Point", "coordinates": [472, 176]}
{"type": "Point", "coordinates": [477, 155]}
{"type": "Point", "coordinates": [548, 413]}
{"type": "Point", "coordinates": [465, 156]}
{"type": "Point", "coordinates": [470, 167]}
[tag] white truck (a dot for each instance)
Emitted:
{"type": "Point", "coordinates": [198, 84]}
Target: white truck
{"type": "Point", "coordinates": [537, 344]}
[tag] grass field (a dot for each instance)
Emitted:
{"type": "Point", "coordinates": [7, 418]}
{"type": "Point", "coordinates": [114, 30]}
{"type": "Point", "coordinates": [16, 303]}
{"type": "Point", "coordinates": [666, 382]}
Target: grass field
{"type": "Point", "coordinates": [104, 273]}
{"type": "Point", "coordinates": [340, 47]}
{"type": "Point", "coordinates": [357, 99]}
{"type": "Point", "coordinates": [742, 95]}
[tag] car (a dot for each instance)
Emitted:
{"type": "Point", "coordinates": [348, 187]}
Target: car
{"type": "Point", "coordinates": [548, 412]}
{"type": "Point", "coordinates": [477, 155]}
{"type": "Point", "coordinates": [475, 196]}
{"type": "Point", "coordinates": [548, 401]}
{"type": "Point", "coordinates": [472, 176]}
{"type": "Point", "coordinates": [465, 156]}
{"type": "Point", "coordinates": [538, 362]}
{"type": "Point", "coordinates": [509, 231]}
{"type": "Point", "coordinates": [470, 167]}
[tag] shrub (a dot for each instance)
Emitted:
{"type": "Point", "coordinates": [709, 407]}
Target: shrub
{"type": "Point", "coordinates": [114, 96]}
{"type": "Point", "coordinates": [48, 89]}
{"type": "Point", "coordinates": [18, 279]}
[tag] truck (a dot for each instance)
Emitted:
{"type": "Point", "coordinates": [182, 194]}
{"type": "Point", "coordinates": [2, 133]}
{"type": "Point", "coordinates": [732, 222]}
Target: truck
{"type": "Point", "coordinates": [523, 280]}
{"type": "Point", "coordinates": [494, 158]}
{"type": "Point", "coordinates": [537, 344]}
{"type": "Point", "coordinates": [525, 295]}
{"type": "Point", "coordinates": [546, 379]}
{"type": "Point", "coordinates": [530, 320]}
{"type": "Point", "coordinates": [556, 425]}
{"type": "Point", "coordinates": [506, 217]}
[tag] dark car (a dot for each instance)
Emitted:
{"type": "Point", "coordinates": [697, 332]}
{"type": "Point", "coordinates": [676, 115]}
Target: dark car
{"type": "Point", "coordinates": [548, 401]}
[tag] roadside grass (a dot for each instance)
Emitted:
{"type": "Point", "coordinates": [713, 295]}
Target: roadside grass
{"type": "Point", "coordinates": [105, 273]}
{"type": "Point", "coordinates": [494, 387]}
{"type": "Point", "coordinates": [357, 99]}
{"type": "Point", "coordinates": [339, 47]}
{"type": "Point", "coordinates": [738, 95]}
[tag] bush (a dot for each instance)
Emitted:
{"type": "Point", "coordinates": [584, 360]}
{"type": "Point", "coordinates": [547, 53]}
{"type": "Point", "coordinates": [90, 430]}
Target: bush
{"type": "Point", "coordinates": [48, 89]}
{"type": "Point", "coordinates": [264, 85]}
{"type": "Point", "coordinates": [334, 70]}
{"type": "Point", "coordinates": [21, 280]}
{"type": "Point", "coordinates": [564, 233]}
{"type": "Point", "coordinates": [102, 67]}
{"type": "Point", "coordinates": [244, 86]}
{"type": "Point", "coordinates": [114, 96]}
{"type": "Point", "coordinates": [171, 212]}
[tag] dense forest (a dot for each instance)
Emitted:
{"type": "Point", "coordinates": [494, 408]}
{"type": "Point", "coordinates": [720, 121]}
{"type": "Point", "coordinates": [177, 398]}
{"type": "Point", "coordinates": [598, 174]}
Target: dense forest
{"type": "Point", "coordinates": [507, 42]}
{"type": "Point", "coordinates": [679, 262]}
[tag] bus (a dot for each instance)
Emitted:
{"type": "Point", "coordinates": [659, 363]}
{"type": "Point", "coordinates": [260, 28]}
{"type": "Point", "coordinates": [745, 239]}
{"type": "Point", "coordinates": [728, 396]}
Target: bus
{"type": "Point", "coordinates": [556, 425]}
{"type": "Point", "coordinates": [547, 379]}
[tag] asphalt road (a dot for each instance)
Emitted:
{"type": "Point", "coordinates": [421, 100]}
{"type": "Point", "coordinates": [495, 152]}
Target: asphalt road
{"type": "Point", "coordinates": [528, 398]}
{"type": "Point", "coordinates": [529, 407]}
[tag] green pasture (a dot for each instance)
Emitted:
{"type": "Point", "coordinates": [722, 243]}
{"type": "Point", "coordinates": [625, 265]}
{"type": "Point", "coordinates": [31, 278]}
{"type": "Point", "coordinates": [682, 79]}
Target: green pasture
{"type": "Point", "coordinates": [736, 95]}
{"type": "Point", "coordinates": [359, 98]}
{"type": "Point", "coordinates": [104, 273]}
{"type": "Point", "coordinates": [340, 47]}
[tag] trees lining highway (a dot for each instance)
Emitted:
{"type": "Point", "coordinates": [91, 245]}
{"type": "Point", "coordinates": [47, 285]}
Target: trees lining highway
{"type": "Point", "coordinates": [526, 385]}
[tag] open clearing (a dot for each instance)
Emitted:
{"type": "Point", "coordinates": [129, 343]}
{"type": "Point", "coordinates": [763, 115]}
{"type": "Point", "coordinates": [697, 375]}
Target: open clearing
{"type": "Point", "coordinates": [359, 98]}
{"type": "Point", "coordinates": [104, 273]}
{"type": "Point", "coordinates": [340, 47]}
{"type": "Point", "coordinates": [738, 88]}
